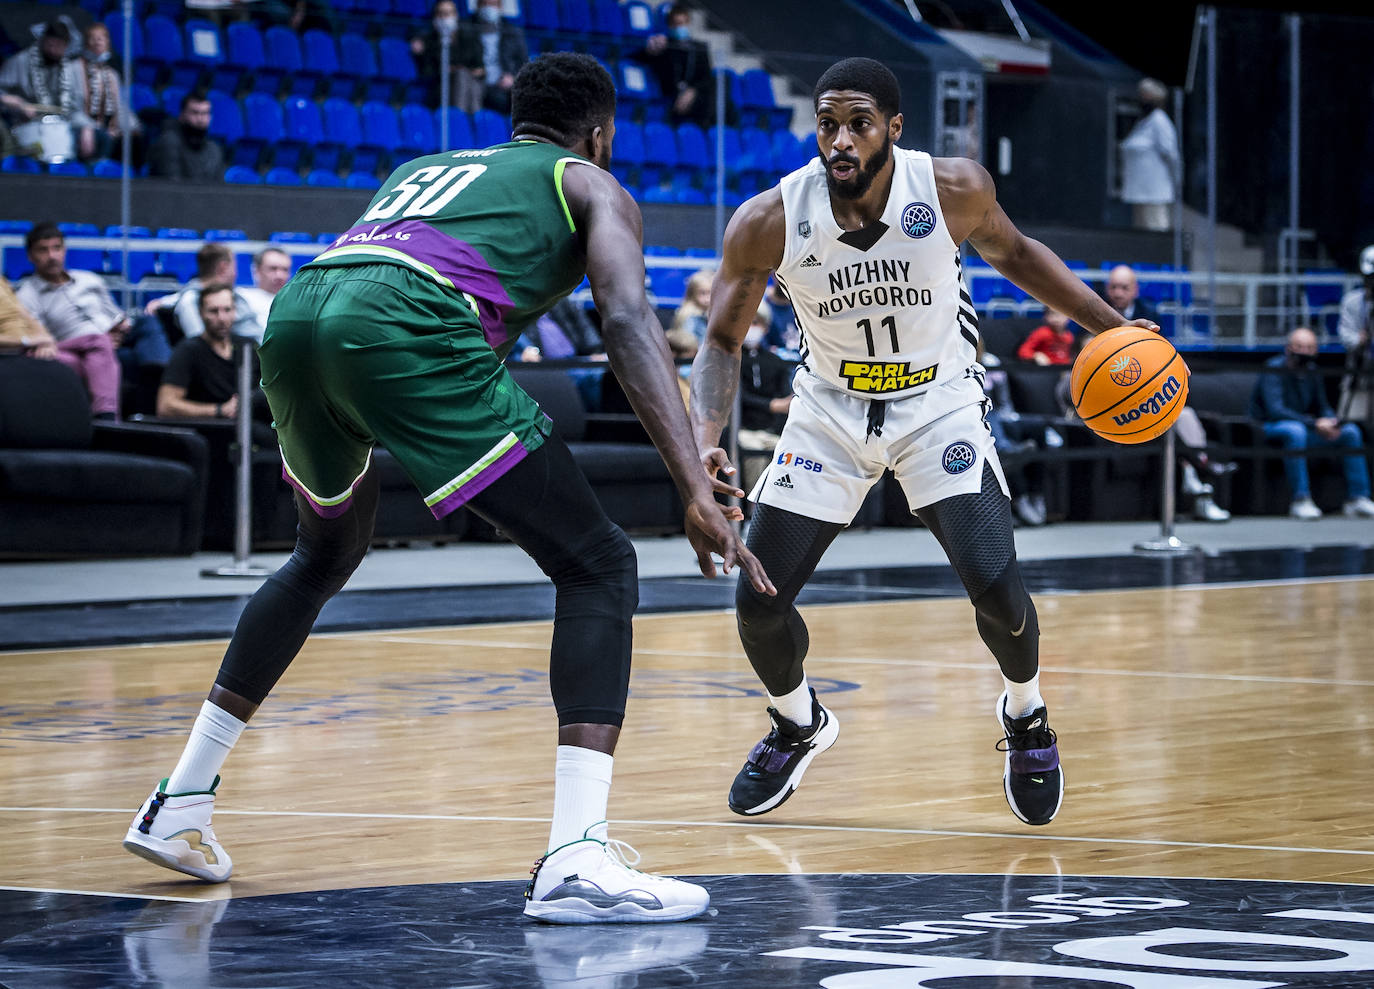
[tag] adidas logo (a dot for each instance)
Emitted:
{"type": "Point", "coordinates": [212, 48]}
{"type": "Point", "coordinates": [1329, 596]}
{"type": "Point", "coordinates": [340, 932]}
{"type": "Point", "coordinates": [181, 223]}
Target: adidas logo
{"type": "Point", "coordinates": [810, 262]}
{"type": "Point", "coordinates": [783, 482]}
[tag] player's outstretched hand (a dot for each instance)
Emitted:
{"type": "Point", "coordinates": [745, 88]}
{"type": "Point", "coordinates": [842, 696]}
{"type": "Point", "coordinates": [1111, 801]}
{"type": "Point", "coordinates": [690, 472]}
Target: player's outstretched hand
{"type": "Point", "coordinates": [709, 532]}
{"type": "Point", "coordinates": [716, 461]}
{"type": "Point", "coordinates": [1144, 324]}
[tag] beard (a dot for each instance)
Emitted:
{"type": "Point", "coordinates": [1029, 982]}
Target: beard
{"type": "Point", "coordinates": [864, 174]}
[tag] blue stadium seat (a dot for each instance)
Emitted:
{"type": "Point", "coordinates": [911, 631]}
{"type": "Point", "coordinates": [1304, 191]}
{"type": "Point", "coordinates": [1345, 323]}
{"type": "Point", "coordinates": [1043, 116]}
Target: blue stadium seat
{"type": "Point", "coordinates": [789, 153]}
{"type": "Point", "coordinates": [284, 54]}
{"type": "Point", "coordinates": [281, 176]}
{"type": "Point", "coordinates": [222, 234]}
{"type": "Point", "coordinates": [321, 57]}
{"type": "Point", "coordinates": [302, 121]}
{"type": "Point", "coordinates": [356, 56]}
{"type": "Point", "coordinates": [362, 180]}
{"type": "Point", "coordinates": [114, 23]}
{"type": "Point", "coordinates": [757, 153]}
{"type": "Point", "coordinates": [290, 237]}
{"type": "Point", "coordinates": [326, 238]}
{"type": "Point", "coordinates": [71, 168]}
{"type": "Point", "coordinates": [162, 40]}
{"type": "Point", "coordinates": [490, 127]}
{"type": "Point", "coordinates": [173, 233]}
{"type": "Point", "coordinates": [262, 118]}
{"type": "Point", "coordinates": [418, 128]}
{"type": "Point", "coordinates": [394, 60]}
{"type": "Point", "coordinates": [607, 18]}
{"type": "Point", "coordinates": [734, 150]}
{"type": "Point", "coordinates": [244, 46]}
{"type": "Point", "coordinates": [575, 16]}
{"type": "Point", "coordinates": [19, 227]}
{"type": "Point", "coordinates": [242, 175]}
{"type": "Point", "coordinates": [756, 87]}
{"type": "Point", "coordinates": [203, 43]}
{"type": "Point", "coordinates": [115, 230]}
{"type": "Point", "coordinates": [381, 127]}
{"type": "Point", "coordinates": [660, 146]}
{"type": "Point", "coordinates": [20, 165]}
{"type": "Point", "coordinates": [226, 118]}
{"type": "Point", "coordinates": [693, 153]}
{"type": "Point", "coordinates": [635, 83]}
{"type": "Point", "coordinates": [105, 168]}
{"type": "Point", "coordinates": [629, 144]}
{"type": "Point", "coordinates": [541, 15]}
{"type": "Point", "coordinates": [459, 129]}
{"type": "Point", "coordinates": [639, 18]}
{"type": "Point", "coordinates": [342, 125]}
{"type": "Point", "coordinates": [323, 178]}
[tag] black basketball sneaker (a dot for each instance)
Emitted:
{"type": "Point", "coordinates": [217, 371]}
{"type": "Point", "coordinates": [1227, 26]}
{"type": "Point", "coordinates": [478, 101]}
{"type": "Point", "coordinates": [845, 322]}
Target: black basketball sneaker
{"type": "Point", "coordinates": [775, 766]}
{"type": "Point", "coordinates": [1032, 777]}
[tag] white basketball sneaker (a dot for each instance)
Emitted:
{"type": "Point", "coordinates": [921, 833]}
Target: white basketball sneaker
{"type": "Point", "coordinates": [591, 881]}
{"type": "Point", "coordinates": [173, 830]}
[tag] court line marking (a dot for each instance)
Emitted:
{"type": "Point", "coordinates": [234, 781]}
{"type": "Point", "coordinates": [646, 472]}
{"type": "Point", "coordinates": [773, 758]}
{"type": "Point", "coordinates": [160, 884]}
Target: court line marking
{"type": "Point", "coordinates": [120, 896]}
{"type": "Point", "coordinates": [930, 663]}
{"type": "Point", "coordinates": [850, 829]}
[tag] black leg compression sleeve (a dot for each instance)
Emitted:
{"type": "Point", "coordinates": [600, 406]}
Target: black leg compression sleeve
{"type": "Point", "coordinates": [976, 533]}
{"type": "Point", "coordinates": [775, 638]}
{"type": "Point", "coordinates": [277, 619]}
{"type": "Point", "coordinates": [547, 508]}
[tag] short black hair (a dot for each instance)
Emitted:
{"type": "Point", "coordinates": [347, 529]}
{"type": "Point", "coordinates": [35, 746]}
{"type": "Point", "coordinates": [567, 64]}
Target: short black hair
{"type": "Point", "coordinates": [42, 231]}
{"type": "Point", "coordinates": [193, 96]}
{"type": "Point", "coordinates": [862, 75]}
{"type": "Point", "coordinates": [562, 93]}
{"type": "Point", "coordinates": [214, 288]}
{"type": "Point", "coordinates": [57, 29]}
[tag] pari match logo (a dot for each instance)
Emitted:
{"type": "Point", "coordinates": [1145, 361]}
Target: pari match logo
{"type": "Point", "coordinates": [1125, 370]}
{"type": "Point", "coordinates": [959, 457]}
{"type": "Point", "coordinates": [918, 220]}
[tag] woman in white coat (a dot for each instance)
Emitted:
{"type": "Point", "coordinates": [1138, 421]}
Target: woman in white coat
{"type": "Point", "coordinates": [1150, 160]}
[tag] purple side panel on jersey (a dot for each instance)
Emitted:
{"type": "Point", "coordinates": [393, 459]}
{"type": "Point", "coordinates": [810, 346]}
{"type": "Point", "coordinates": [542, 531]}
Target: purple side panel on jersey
{"type": "Point", "coordinates": [456, 260]}
{"type": "Point", "coordinates": [323, 511]}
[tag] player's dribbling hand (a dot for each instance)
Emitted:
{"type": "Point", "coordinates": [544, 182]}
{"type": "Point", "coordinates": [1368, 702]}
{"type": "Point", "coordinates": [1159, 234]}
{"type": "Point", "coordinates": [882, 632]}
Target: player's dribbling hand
{"type": "Point", "coordinates": [1144, 324]}
{"type": "Point", "coordinates": [709, 532]}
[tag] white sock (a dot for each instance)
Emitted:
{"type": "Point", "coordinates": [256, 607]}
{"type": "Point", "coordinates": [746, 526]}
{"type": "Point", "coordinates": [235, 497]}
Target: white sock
{"type": "Point", "coordinates": [581, 787]}
{"type": "Point", "coordinates": [795, 705]}
{"type": "Point", "coordinates": [212, 736]}
{"type": "Point", "coordinates": [1022, 698]}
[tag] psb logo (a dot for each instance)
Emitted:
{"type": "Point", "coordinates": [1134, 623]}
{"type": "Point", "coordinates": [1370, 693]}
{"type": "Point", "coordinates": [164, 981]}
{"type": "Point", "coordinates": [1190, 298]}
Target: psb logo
{"type": "Point", "coordinates": [1125, 370]}
{"type": "Point", "coordinates": [918, 220]}
{"type": "Point", "coordinates": [801, 463]}
{"type": "Point", "coordinates": [959, 457]}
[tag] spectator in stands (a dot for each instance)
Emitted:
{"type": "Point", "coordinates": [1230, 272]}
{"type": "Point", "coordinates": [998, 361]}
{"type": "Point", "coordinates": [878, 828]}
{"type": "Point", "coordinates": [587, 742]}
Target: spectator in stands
{"type": "Point", "coordinates": [298, 15]}
{"type": "Point", "coordinates": [683, 347]}
{"type": "Point", "coordinates": [271, 270]}
{"type": "Point", "coordinates": [1356, 330]}
{"type": "Point", "coordinates": [782, 332]}
{"type": "Point", "coordinates": [1150, 161]}
{"type": "Point", "coordinates": [19, 332]}
{"type": "Point", "coordinates": [201, 380]}
{"type": "Point", "coordinates": [491, 52]}
{"type": "Point", "coordinates": [185, 149]}
{"type": "Point", "coordinates": [42, 81]}
{"type": "Point", "coordinates": [683, 67]}
{"type": "Point", "coordinates": [214, 265]}
{"type": "Point", "coordinates": [1049, 343]}
{"type": "Point", "coordinates": [696, 303]}
{"type": "Point", "coordinates": [102, 102]}
{"type": "Point", "coordinates": [765, 395]}
{"type": "Point", "coordinates": [426, 49]}
{"type": "Point", "coordinates": [76, 309]}
{"type": "Point", "coordinates": [1014, 436]}
{"type": "Point", "coordinates": [1123, 293]}
{"type": "Point", "coordinates": [1290, 400]}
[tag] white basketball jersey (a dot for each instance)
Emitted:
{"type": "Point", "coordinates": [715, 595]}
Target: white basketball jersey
{"type": "Point", "coordinates": [883, 311]}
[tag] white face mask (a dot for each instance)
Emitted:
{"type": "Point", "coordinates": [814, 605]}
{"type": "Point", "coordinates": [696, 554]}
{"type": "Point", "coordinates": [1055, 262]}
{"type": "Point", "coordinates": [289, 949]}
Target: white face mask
{"type": "Point", "coordinates": [489, 15]}
{"type": "Point", "coordinates": [754, 336]}
{"type": "Point", "coordinates": [445, 25]}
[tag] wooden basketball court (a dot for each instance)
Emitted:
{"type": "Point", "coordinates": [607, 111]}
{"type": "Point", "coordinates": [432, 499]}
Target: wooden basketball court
{"type": "Point", "coordinates": [1209, 731]}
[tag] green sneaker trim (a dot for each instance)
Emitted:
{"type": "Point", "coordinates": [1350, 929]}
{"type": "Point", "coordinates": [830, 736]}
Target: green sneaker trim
{"type": "Point", "coordinates": [162, 789]}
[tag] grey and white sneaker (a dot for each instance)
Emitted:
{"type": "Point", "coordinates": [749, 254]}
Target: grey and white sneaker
{"type": "Point", "coordinates": [1359, 508]}
{"type": "Point", "coordinates": [173, 830]}
{"type": "Point", "coordinates": [1304, 508]}
{"type": "Point", "coordinates": [592, 881]}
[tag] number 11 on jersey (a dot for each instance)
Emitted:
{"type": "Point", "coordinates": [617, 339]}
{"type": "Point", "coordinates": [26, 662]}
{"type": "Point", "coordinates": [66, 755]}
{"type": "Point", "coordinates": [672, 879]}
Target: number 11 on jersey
{"type": "Point", "coordinates": [889, 323]}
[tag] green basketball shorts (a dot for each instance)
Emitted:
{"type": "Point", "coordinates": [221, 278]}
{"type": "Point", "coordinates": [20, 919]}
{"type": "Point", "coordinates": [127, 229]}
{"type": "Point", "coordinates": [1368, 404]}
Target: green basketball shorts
{"type": "Point", "coordinates": [377, 354]}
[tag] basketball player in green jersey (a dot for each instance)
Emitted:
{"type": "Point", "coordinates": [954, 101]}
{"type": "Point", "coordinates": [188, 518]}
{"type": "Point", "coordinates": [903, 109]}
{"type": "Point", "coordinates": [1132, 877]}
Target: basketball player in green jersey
{"type": "Point", "coordinates": [396, 335]}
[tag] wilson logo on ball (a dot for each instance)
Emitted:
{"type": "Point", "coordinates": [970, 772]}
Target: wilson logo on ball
{"type": "Point", "coordinates": [1153, 405]}
{"type": "Point", "coordinates": [1125, 370]}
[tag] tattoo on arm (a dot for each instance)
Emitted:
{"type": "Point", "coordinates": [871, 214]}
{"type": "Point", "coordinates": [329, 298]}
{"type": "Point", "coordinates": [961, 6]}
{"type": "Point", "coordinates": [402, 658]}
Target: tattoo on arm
{"type": "Point", "coordinates": [715, 380]}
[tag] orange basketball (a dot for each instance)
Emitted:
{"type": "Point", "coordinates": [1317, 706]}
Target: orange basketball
{"type": "Point", "coordinates": [1129, 384]}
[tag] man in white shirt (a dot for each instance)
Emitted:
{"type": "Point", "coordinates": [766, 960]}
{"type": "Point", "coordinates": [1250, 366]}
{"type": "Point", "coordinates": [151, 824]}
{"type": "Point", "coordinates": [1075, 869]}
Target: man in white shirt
{"type": "Point", "coordinates": [1150, 161]}
{"type": "Point", "coordinates": [271, 270]}
{"type": "Point", "coordinates": [214, 264]}
{"type": "Point", "coordinates": [76, 308]}
{"type": "Point", "coordinates": [1354, 328]}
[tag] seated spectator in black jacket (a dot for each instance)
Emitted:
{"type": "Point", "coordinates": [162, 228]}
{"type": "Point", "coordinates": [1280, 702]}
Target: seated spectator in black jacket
{"type": "Point", "coordinates": [1290, 400]}
{"type": "Point", "coordinates": [184, 149]}
{"type": "Point", "coordinates": [1123, 295]}
{"type": "Point", "coordinates": [765, 395]}
{"type": "Point", "coordinates": [201, 380]}
{"type": "Point", "coordinates": [683, 67]}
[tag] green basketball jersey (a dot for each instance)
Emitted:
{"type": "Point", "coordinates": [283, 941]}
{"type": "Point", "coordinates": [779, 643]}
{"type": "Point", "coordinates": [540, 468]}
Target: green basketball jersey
{"type": "Point", "coordinates": [491, 225]}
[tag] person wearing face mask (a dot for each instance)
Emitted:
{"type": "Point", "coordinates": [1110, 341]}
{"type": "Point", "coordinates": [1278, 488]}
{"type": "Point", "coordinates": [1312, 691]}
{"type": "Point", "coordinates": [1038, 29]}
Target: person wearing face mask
{"type": "Point", "coordinates": [492, 52]}
{"type": "Point", "coordinates": [1290, 400]}
{"type": "Point", "coordinates": [427, 51]}
{"type": "Point", "coordinates": [184, 149]}
{"type": "Point", "coordinates": [683, 67]}
{"type": "Point", "coordinates": [42, 82]}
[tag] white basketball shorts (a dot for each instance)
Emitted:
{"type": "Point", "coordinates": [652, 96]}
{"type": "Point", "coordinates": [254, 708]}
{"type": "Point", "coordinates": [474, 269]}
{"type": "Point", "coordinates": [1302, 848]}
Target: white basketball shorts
{"type": "Point", "coordinates": [825, 463]}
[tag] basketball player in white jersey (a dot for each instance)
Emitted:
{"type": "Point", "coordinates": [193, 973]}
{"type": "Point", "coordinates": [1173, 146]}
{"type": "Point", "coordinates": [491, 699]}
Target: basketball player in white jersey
{"type": "Point", "coordinates": [865, 242]}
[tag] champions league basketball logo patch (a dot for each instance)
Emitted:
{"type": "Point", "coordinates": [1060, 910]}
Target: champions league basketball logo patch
{"type": "Point", "coordinates": [804, 229]}
{"type": "Point", "coordinates": [918, 220]}
{"type": "Point", "coordinates": [959, 457]}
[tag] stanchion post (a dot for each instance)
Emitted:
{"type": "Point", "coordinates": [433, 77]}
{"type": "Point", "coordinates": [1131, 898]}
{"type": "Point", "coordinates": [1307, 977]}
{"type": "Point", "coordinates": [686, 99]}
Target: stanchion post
{"type": "Point", "coordinates": [243, 493]}
{"type": "Point", "coordinates": [1167, 541]}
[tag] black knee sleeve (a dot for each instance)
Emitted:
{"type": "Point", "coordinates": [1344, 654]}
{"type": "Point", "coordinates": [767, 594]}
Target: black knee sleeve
{"type": "Point", "coordinates": [1009, 625]}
